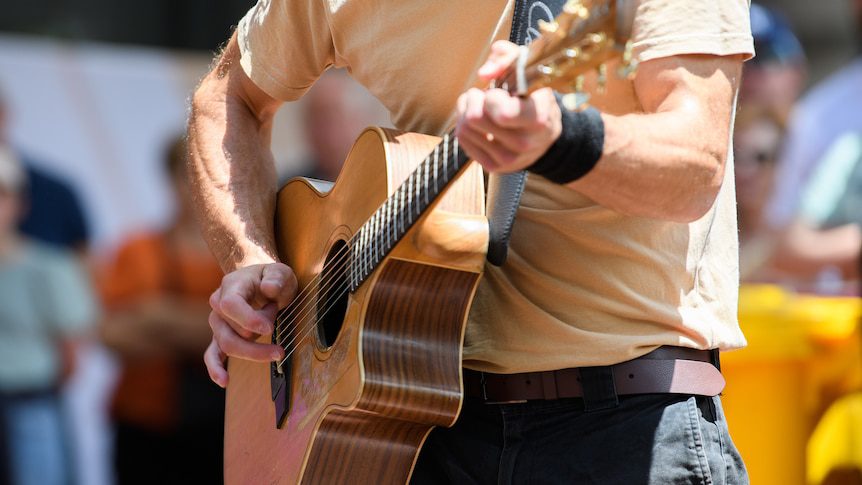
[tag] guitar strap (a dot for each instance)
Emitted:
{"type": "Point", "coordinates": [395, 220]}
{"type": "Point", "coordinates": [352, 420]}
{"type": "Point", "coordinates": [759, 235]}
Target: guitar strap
{"type": "Point", "coordinates": [504, 190]}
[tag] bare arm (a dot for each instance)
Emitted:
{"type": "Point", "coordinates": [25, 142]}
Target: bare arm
{"type": "Point", "coordinates": [668, 162]}
{"type": "Point", "coordinates": [232, 168]}
{"type": "Point", "coordinates": [803, 250]}
{"type": "Point", "coordinates": [230, 128]}
{"type": "Point", "coordinates": [664, 163]}
{"type": "Point", "coordinates": [156, 324]}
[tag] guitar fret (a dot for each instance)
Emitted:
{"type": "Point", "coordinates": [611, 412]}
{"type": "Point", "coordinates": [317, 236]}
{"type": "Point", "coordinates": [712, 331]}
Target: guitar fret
{"type": "Point", "coordinates": [390, 227]}
{"type": "Point", "coordinates": [418, 184]}
{"type": "Point", "coordinates": [436, 163]}
{"type": "Point", "coordinates": [446, 150]}
{"type": "Point", "coordinates": [455, 149]}
{"type": "Point", "coordinates": [445, 168]}
{"type": "Point", "coordinates": [350, 267]}
{"type": "Point", "coordinates": [425, 183]}
{"type": "Point", "coordinates": [376, 240]}
{"type": "Point", "coordinates": [386, 225]}
{"type": "Point", "coordinates": [401, 209]}
{"type": "Point", "coordinates": [409, 185]}
{"type": "Point", "coordinates": [363, 238]}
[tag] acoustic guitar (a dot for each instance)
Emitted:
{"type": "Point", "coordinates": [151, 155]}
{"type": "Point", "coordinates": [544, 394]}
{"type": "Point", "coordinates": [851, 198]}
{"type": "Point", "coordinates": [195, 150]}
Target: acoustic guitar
{"type": "Point", "coordinates": [388, 260]}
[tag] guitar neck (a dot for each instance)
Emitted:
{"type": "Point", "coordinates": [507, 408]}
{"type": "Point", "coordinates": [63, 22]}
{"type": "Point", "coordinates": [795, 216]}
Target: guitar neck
{"type": "Point", "coordinates": [410, 201]}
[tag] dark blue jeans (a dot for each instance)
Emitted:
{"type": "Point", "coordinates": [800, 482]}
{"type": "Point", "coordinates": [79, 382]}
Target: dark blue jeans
{"type": "Point", "coordinates": [655, 439]}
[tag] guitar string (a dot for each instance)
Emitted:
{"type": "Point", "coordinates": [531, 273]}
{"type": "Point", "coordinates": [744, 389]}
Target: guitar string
{"type": "Point", "coordinates": [339, 266]}
{"type": "Point", "coordinates": [330, 284]}
{"type": "Point", "coordinates": [342, 268]}
{"type": "Point", "coordinates": [339, 269]}
{"type": "Point", "coordinates": [332, 300]}
{"type": "Point", "coordinates": [338, 260]}
{"type": "Point", "coordinates": [329, 304]}
{"type": "Point", "coordinates": [300, 337]}
{"type": "Point", "coordinates": [305, 297]}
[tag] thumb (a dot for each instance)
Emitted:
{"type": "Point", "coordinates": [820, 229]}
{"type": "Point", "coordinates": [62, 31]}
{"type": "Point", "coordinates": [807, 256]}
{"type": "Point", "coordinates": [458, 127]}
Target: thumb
{"type": "Point", "coordinates": [278, 283]}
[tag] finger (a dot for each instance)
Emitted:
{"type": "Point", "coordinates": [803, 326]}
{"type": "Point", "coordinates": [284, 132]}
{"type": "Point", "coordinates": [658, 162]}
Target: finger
{"type": "Point", "coordinates": [214, 298]}
{"type": "Point", "coordinates": [269, 311]}
{"type": "Point", "coordinates": [474, 100]}
{"type": "Point", "coordinates": [503, 54]}
{"type": "Point", "coordinates": [473, 143]}
{"type": "Point", "coordinates": [516, 140]}
{"type": "Point", "coordinates": [246, 334]}
{"type": "Point", "coordinates": [501, 158]}
{"type": "Point", "coordinates": [214, 359]}
{"type": "Point", "coordinates": [237, 294]}
{"type": "Point", "coordinates": [235, 346]}
{"type": "Point", "coordinates": [510, 111]}
{"type": "Point", "coordinates": [278, 283]}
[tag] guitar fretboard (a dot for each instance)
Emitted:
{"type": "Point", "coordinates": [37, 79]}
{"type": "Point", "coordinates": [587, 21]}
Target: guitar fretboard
{"type": "Point", "coordinates": [391, 221]}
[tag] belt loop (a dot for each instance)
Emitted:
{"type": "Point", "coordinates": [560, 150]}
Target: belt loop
{"type": "Point", "coordinates": [600, 391]}
{"type": "Point", "coordinates": [715, 359]}
{"type": "Point", "coordinates": [549, 385]}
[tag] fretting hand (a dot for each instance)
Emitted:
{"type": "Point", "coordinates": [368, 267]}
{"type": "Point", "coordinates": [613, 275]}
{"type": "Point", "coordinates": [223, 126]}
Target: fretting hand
{"type": "Point", "coordinates": [506, 133]}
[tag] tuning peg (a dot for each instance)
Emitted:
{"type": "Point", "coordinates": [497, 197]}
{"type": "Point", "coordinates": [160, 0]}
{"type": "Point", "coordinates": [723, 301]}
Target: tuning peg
{"type": "Point", "coordinates": [575, 101]}
{"type": "Point", "coordinates": [548, 27]}
{"type": "Point", "coordinates": [572, 53]}
{"type": "Point", "coordinates": [629, 64]}
{"type": "Point", "coordinates": [602, 78]}
{"type": "Point", "coordinates": [578, 98]}
{"type": "Point", "coordinates": [576, 9]}
{"type": "Point", "coordinates": [549, 71]}
{"type": "Point", "coordinates": [597, 38]}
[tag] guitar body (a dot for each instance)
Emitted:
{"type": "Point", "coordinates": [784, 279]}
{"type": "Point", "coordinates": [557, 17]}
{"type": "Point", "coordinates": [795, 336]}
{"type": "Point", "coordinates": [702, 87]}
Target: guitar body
{"type": "Point", "coordinates": [362, 397]}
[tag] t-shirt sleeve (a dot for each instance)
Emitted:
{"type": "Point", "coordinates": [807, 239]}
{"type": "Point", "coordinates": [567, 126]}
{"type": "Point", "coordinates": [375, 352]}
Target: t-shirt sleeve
{"type": "Point", "coordinates": [285, 45]}
{"type": "Point", "coordinates": [664, 28]}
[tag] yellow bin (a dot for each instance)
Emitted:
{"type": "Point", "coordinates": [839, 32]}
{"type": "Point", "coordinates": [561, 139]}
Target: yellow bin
{"type": "Point", "coordinates": [803, 352]}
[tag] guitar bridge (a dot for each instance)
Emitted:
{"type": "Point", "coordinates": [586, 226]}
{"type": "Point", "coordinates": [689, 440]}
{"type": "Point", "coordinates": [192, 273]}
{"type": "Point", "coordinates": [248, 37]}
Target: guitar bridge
{"type": "Point", "coordinates": [279, 380]}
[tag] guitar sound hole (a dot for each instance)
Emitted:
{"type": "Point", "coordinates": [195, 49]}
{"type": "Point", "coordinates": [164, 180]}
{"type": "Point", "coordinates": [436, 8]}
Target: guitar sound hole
{"type": "Point", "coordinates": [332, 304]}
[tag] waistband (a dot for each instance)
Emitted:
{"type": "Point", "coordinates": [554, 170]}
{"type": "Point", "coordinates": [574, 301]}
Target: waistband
{"type": "Point", "coordinates": [667, 369]}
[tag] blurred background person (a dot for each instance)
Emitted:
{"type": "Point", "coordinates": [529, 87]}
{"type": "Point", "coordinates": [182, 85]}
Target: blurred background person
{"type": "Point", "coordinates": [757, 138]}
{"type": "Point", "coordinates": [54, 212]}
{"type": "Point", "coordinates": [168, 416]}
{"type": "Point", "coordinates": [827, 112]}
{"type": "Point", "coordinates": [770, 87]}
{"type": "Point", "coordinates": [335, 111]}
{"type": "Point", "coordinates": [776, 76]}
{"type": "Point", "coordinates": [821, 244]}
{"type": "Point", "coordinates": [45, 305]}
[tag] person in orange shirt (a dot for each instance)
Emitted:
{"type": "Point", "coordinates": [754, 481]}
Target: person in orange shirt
{"type": "Point", "coordinates": [168, 417]}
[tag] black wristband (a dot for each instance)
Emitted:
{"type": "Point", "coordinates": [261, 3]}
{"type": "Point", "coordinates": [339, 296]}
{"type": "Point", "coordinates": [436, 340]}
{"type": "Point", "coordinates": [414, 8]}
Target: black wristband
{"type": "Point", "coordinates": [578, 148]}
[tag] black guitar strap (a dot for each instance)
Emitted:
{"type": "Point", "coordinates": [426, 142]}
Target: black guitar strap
{"type": "Point", "coordinates": [504, 190]}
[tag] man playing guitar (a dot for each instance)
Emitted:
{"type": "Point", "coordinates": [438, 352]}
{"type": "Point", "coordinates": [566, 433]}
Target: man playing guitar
{"type": "Point", "coordinates": [623, 257]}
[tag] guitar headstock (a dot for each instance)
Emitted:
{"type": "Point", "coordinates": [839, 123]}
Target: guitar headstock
{"type": "Point", "coordinates": [583, 38]}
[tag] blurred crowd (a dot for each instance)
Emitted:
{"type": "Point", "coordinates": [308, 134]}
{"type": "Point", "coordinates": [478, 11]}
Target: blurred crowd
{"type": "Point", "coordinates": [798, 164]}
{"type": "Point", "coordinates": [145, 299]}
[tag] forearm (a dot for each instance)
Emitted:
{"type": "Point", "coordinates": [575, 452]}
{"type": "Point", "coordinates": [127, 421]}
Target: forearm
{"type": "Point", "coordinates": [804, 250]}
{"type": "Point", "coordinates": [232, 167]}
{"type": "Point", "coordinates": [157, 325]}
{"type": "Point", "coordinates": [654, 165]}
{"type": "Point", "coordinates": [668, 161]}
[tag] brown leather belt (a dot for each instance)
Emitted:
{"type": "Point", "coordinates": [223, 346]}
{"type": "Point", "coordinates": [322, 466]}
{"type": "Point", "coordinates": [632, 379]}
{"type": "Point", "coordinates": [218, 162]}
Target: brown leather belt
{"type": "Point", "coordinates": [667, 369]}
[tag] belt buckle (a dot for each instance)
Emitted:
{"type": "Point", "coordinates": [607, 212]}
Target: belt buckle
{"type": "Point", "coordinates": [485, 393]}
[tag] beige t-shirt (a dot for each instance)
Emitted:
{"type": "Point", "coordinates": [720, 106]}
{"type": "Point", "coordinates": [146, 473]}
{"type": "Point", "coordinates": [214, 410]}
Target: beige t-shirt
{"type": "Point", "coordinates": [584, 285]}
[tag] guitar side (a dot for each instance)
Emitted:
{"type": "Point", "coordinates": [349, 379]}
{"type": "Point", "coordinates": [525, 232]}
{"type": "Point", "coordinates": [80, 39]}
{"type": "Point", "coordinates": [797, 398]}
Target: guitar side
{"type": "Point", "coordinates": [361, 408]}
